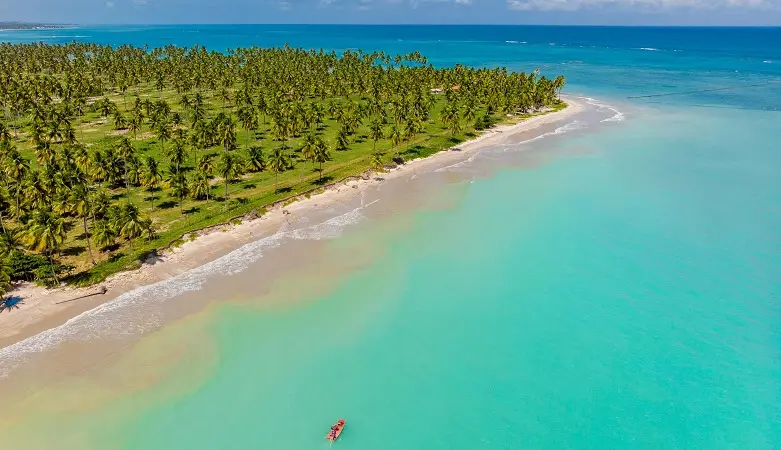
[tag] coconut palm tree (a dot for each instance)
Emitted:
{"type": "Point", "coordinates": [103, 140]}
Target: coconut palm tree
{"type": "Point", "coordinates": [558, 84]}
{"type": "Point", "coordinates": [176, 154]}
{"type": "Point", "coordinates": [342, 141]}
{"type": "Point", "coordinates": [4, 206]}
{"type": "Point", "coordinates": [163, 130]}
{"type": "Point", "coordinates": [127, 153]}
{"type": "Point", "coordinates": [130, 225]}
{"type": "Point", "coordinates": [377, 161]}
{"type": "Point", "coordinates": [375, 133]}
{"type": "Point", "coordinates": [80, 205]}
{"type": "Point", "coordinates": [119, 120]}
{"type": "Point", "coordinates": [135, 124]}
{"type": "Point", "coordinates": [321, 155]}
{"type": "Point", "coordinates": [199, 187]}
{"type": "Point", "coordinates": [308, 148]}
{"type": "Point", "coordinates": [396, 136]}
{"type": "Point", "coordinates": [176, 181]}
{"type": "Point", "coordinates": [205, 164]}
{"type": "Point", "coordinates": [5, 134]}
{"type": "Point", "coordinates": [16, 169]}
{"type": "Point", "coordinates": [103, 233]}
{"type": "Point", "coordinates": [151, 177]}
{"type": "Point", "coordinates": [278, 163]}
{"type": "Point", "coordinates": [227, 134]}
{"type": "Point", "coordinates": [229, 167]}
{"type": "Point", "coordinates": [454, 126]}
{"type": "Point", "coordinates": [45, 233]}
{"type": "Point", "coordinates": [255, 160]}
{"type": "Point", "coordinates": [5, 278]}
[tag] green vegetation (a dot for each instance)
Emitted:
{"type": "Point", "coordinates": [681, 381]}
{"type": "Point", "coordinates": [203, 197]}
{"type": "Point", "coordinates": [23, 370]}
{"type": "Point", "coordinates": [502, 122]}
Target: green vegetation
{"type": "Point", "coordinates": [109, 154]}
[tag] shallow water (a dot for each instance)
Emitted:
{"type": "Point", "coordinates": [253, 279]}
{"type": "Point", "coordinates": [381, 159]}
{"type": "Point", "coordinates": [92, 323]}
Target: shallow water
{"type": "Point", "coordinates": [614, 284]}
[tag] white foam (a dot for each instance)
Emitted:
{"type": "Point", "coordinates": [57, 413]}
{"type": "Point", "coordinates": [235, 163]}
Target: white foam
{"type": "Point", "coordinates": [618, 116]}
{"type": "Point", "coordinates": [649, 49]}
{"type": "Point", "coordinates": [515, 42]}
{"type": "Point", "coordinates": [767, 61]}
{"type": "Point", "coordinates": [134, 312]}
{"type": "Point", "coordinates": [459, 164]}
{"type": "Point", "coordinates": [572, 126]}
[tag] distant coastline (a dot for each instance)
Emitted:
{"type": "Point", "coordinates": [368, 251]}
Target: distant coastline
{"type": "Point", "coordinates": [8, 26]}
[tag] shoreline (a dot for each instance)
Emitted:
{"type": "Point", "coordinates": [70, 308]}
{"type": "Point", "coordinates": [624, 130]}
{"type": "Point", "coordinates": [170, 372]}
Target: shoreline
{"type": "Point", "coordinates": [45, 308]}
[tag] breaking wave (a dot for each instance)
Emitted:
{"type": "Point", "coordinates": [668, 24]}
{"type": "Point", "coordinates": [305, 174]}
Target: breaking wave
{"type": "Point", "coordinates": [459, 164]}
{"type": "Point", "coordinates": [572, 126]}
{"type": "Point", "coordinates": [618, 116]}
{"type": "Point", "coordinates": [132, 313]}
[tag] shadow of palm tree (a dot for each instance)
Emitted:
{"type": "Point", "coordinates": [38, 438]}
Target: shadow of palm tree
{"type": "Point", "coordinates": [11, 303]}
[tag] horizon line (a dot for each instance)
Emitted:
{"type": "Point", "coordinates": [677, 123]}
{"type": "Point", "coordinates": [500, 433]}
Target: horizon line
{"type": "Point", "coordinates": [380, 24]}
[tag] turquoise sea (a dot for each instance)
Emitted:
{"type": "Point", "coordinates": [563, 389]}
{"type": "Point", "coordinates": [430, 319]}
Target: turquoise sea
{"type": "Point", "coordinates": [615, 284]}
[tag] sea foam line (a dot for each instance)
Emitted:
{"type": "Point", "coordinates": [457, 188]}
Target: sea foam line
{"type": "Point", "coordinates": [618, 115]}
{"type": "Point", "coordinates": [132, 312]}
{"type": "Point", "coordinates": [460, 163]}
{"type": "Point", "coordinates": [572, 126]}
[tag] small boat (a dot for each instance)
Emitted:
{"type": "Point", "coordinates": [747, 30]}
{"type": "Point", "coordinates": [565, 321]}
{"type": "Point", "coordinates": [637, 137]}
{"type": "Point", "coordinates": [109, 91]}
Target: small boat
{"type": "Point", "coordinates": [336, 430]}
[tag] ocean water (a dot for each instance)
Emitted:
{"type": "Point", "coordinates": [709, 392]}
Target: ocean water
{"type": "Point", "coordinates": [615, 284]}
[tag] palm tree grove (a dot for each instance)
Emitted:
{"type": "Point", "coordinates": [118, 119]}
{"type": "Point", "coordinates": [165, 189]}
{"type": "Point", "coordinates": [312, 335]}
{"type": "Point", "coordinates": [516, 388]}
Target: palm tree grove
{"type": "Point", "coordinates": [108, 154]}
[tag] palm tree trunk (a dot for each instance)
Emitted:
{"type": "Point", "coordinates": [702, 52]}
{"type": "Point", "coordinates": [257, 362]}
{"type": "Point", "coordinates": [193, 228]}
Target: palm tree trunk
{"type": "Point", "coordinates": [131, 250]}
{"type": "Point", "coordinates": [127, 184]}
{"type": "Point", "coordinates": [51, 264]}
{"type": "Point", "coordinates": [18, 192]}
{"type": "Point", "coordinates": [89, 244]}
{"type": "Point", "coordinates": [226, 194]}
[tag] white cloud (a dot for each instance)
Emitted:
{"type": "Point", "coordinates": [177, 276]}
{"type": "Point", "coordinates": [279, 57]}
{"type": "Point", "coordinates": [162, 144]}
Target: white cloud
{"type": "Point", "coordinates": [140, 2]}
{"type": "Point", "coordinates": [463, 2]}
{"type": "Point", "coordinates": [109, 4]}
{"type": "Point", "coordinates": [574, 5]}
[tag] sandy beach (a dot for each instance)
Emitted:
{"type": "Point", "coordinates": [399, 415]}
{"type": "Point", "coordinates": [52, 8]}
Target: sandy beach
{"type": "Point", "coordinates": [42, 308]}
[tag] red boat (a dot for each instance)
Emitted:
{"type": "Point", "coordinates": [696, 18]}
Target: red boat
{"type": "Point", "coordinates": [336, 430]}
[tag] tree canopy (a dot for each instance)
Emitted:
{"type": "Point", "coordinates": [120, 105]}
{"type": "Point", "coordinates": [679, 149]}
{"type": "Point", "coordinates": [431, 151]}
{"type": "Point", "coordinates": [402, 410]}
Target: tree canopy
{"type": "Point", "coordinates": [97, 142]}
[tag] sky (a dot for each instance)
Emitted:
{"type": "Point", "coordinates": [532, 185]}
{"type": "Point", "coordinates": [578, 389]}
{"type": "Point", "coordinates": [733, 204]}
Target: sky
{"type": "Point", "coordinates": [551, 12]}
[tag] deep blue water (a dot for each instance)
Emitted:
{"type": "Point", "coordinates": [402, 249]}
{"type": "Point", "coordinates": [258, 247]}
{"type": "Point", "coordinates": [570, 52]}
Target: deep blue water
{"type": "Point", "coordinates": [616, 61]}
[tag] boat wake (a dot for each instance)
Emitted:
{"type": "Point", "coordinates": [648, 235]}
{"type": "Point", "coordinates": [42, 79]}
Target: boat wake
{"type": "Point", "coordinates": [133, 312]}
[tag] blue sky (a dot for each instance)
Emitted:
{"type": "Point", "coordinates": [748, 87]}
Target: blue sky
{"type": "Point", "coordinates": [588, 12]}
